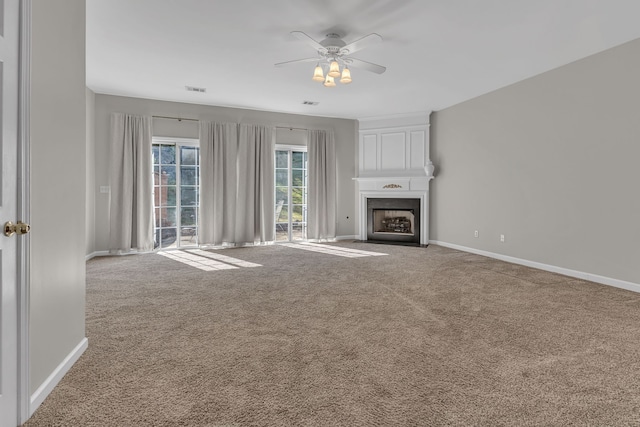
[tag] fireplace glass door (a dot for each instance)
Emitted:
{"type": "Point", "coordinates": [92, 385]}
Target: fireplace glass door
{"type": "Point", "coordinates": [393, 220]}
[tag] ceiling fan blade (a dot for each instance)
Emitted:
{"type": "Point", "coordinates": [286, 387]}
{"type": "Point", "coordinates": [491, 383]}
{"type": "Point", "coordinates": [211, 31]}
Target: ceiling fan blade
{"type": "Point", "coordinates": [362, 43]}
{"type": "Point", "coordinates": [297, 61]}
{"type": "Point", "coordinates": [307, 39]}
{"type": "Point", "coordinates": [369, 66]}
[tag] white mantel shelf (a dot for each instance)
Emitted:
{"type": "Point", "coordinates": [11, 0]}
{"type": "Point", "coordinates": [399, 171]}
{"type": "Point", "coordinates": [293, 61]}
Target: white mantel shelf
{"type": "Point", "coordinates": [394, 183]}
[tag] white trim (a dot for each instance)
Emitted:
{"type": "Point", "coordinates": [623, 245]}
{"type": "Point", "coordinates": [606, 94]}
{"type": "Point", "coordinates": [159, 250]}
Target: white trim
{"type": "Point", "coordinates": [630, 286]}
{"type": "Point", "coordinates": [92, 255]}
{"type": "Point", "coordinates": [24, 210]}
{"type": "Point", "coordinates": [49, 384]}
{"type": "Point", "coordinates": [291, 147]}
{"type": "Point", "coordinates": [170, 140]}
{"type": "Point", "coordinates": [419, 115]}
{"type": "Point", "coordinates": [353, 237]}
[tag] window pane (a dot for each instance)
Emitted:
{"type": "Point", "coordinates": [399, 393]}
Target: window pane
{"type": "Point", "coordinates": [296, 214]}
{"type": "Point", "coordinates": [281, 233]}
{"type": "Point", "coordinates": [188, 175]}
{"type": "Point", "coordinates": [156, 175]}
{"type": "Point", "coordinates": [168, 217]}
{"type": "Point", "coordinates": [167, 236]}
{"type": "Point", "coordinates": [157, 215]}
{"type": "Point", "coordinates": [297, 178]}
{"type": "Point", "coordinates": [188, 216]}
{"type": "Point", "coordinates": [188, 236]}
{"type": "Point", "coordinates": [168, 154]}
{"type": "Point", "coordinates": [298, 231]}
{"type": "Point", "coordinates": [284, 215]}
{"type": "Point", "coordinates": [155, 153]}
{"type": "Point", "coordinates": [282, 193]}
{"type": "Point", "coordinates": [169, 194]}
{"type": "Point", "coordinates": [297, 160]}
{"type": "Point", "coordinates": [297, 195]}
{"type": "Point", "coordinates": [282, 160]}
{"type": "Point", "coordinates": [188, 196]}
{"type": "Point", "coordinates": [168, 175]}
{"type": "Point", "coordinates": [188, 155]}
{"type": "Point", "coordinates": [282, 177]}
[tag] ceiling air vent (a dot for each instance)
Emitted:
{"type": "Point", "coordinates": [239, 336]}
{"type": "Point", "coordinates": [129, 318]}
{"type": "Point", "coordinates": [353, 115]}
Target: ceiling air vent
{"type": "Point", "coordinates": [310, 103]}
{"type": "Point", "coordinates": [196, 89]}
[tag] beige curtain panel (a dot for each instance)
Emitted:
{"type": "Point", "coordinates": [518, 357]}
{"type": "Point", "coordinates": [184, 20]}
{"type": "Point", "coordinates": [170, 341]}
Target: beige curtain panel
{"type": "Point", "coordinates": [218, 183]}
{"type": "Point", "coordinates": [131, 203]}
{"type": "Point", "coordinates": [322, 186]}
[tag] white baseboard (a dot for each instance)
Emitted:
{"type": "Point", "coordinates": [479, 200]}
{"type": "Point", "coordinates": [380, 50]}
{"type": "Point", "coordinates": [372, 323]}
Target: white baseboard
{"type": "Point", "coordinates": [354, 237]}
{"type": "Point", "coordinates": [49, 384]}
{"type": "Point", "coordinates": [95, 254]}
{"type": "Point", "coordinates": [630, 286]}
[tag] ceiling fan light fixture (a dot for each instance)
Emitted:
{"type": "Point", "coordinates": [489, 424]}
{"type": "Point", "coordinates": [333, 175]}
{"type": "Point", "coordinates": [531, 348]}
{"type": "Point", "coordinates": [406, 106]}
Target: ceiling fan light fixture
{"type": "Point", "coordinates": [346, 76]}
{"type": "Point", "coordinates": [329, 82]}
{"type": "Point", "coordinates": [318, 75]}
{"type": "Point", "coordinates": [334, 69]}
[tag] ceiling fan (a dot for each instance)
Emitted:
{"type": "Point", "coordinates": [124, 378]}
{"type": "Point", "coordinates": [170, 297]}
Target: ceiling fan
{"type": "Point", "coordinates": [334, 57]}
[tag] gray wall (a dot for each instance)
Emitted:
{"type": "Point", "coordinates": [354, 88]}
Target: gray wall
{"type": "Point", "coordinates": [345, 134]}
{"type": "Point", "coordinates": [57, 188]}
{"type": "Point", "coordinates": [550, 162]}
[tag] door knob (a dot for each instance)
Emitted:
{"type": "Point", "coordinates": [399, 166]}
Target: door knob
{"type": "Point", "coordinates": [19, 228]}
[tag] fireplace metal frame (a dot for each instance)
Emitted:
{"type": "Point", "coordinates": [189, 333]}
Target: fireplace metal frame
{"type": "Point", "coordinates": [399, 204]}
{"type": "Point", "coordinates": [422, 194]}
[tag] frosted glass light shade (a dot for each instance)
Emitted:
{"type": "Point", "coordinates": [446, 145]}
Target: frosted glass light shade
{"type": "Point", "coordinates": [329, 82]}
{"type": "Point", "coordinates": [346, 76]}
{"type": "Point", "coordinates": [334, 69]}
{"type": "Point", "coordinates": [318, 76]}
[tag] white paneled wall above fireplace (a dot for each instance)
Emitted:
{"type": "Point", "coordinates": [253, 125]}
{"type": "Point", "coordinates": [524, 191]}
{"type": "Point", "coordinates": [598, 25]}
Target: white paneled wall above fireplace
{"type": "Point", "coordinates": [394, 147]}
{"type": "Point", "coordinates": [394, 163]}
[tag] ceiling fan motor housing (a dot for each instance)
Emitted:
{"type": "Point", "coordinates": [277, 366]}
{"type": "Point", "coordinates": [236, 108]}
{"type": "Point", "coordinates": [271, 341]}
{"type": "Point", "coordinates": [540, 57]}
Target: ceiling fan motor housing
{"type": "Point", "coordinates": [334, 44]}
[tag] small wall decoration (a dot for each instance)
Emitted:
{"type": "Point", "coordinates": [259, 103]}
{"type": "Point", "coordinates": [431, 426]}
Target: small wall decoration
{"type": "Point", "coordinates": [392, 186]}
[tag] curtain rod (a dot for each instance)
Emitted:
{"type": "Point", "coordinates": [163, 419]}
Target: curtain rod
{"type": "Point", "coordinates": [290, 128]}
{"type": "Point", "coordinates": [196, 120]}
{"type": "Point", "coordinates": [175, 118]}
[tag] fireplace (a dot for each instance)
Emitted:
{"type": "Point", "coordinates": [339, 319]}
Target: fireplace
{"type": "Point", "coordinates": [393, 220]}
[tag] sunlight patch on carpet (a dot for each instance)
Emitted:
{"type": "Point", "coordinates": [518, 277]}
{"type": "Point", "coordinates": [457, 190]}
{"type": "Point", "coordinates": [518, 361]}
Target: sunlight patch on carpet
{"type": "Point", "coordinates": [197, 261]}
{"type": "Point", "coordinates": [332, 250]}
{"type": "Point", "coordinates": [224, 258]}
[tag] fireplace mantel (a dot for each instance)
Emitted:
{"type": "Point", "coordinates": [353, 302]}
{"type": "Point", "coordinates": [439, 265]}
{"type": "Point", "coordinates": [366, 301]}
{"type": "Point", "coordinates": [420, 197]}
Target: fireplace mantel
{"type": "Point", "coordinates": [394, 183]}
{"type": "Point", "coordinates": [407, 187]}
{"type": "Point", "coordinates": [393, 162]}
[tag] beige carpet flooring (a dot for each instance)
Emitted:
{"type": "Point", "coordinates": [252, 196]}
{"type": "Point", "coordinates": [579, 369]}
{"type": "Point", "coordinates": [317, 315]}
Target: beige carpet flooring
{"type": "Point", "coordinates": [419, 337]}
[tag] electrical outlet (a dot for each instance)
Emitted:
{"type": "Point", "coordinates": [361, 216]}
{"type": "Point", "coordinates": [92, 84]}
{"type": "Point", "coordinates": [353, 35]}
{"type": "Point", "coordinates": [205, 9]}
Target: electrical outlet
{"type": "Point", "coordinates": [502, 238]}
{"type": "Point", "coordinates": [476, 234]}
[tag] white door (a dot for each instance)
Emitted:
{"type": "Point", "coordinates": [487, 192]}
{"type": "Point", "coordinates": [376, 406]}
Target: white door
{"type": "Point", "coordinates": [9, 45]}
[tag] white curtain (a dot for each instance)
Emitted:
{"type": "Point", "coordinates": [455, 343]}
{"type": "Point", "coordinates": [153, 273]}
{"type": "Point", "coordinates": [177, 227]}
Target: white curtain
{"type": "Point", "coordinates": [255, 199]}
{"type": "Point", "coordinates": [131, 208]}
{"type": "Point", "coordinates": [322, 186]}
{"type": "Point", "coordinates": [218, 182]}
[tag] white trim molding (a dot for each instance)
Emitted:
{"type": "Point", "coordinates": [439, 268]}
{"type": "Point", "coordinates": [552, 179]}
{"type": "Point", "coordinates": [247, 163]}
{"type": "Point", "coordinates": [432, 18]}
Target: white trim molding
{"type": "Point", "coordinates": [353, 237]}
{"type": "Point", "coordinates": [92, 255]}
{"type": "Point", "coordinates": [24, 209]}
{"type": "Point", "coordinates": [629, 286]}
{"type": "Point", "coordinates": [52, 381]}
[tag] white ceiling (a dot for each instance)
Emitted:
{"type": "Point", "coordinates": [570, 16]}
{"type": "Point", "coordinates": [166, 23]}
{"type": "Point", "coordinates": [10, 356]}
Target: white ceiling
{"type": "Point", "coordinates": [437, 52]}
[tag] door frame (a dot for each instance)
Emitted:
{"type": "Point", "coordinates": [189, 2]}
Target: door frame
{"type": "Point", "coordinates": [290, 148]}
{"type": "Point", "coordinates": [24, 213]}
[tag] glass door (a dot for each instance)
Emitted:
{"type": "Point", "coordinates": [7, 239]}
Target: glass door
{"type": "Point", "coordinates": [291, 193]}
{"type": "Point", "coordinates": [176, 195]}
